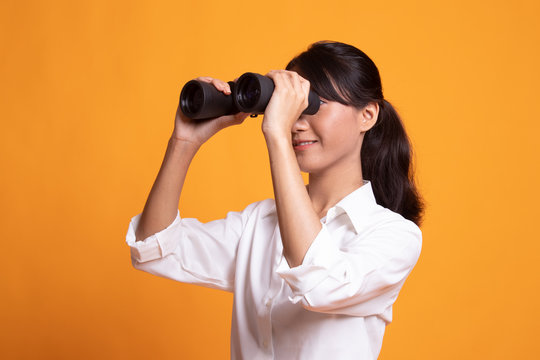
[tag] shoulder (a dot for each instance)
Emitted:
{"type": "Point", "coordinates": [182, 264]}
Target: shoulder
{"type": "Point", "coordinates": [384, 220]}
{"type": "Point", "coordinates": [260, 209]}
{"type": "Point", "coordinates": [383, 215]}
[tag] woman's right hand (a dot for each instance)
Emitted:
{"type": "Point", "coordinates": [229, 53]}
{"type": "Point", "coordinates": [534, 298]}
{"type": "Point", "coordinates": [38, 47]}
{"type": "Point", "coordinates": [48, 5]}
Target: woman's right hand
{"type": "Point", "coordinates": [198, 132]}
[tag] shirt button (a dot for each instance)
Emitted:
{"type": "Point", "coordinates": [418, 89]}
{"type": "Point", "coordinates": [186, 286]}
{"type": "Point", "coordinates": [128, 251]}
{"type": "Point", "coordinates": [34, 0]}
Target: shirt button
{"type": "Point", "coordinates": [268, 303]}
{"type": "Point", "coordinates": [265, 344]}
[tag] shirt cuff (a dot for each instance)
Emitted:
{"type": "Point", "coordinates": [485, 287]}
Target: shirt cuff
{"type": "Point", "coordinates": [322, 260]}
{"type": "Point", "coordinates": [154, 246]}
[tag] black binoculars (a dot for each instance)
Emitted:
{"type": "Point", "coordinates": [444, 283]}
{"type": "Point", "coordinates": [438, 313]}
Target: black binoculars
{"type": "Point", "coordinates": [200, 100]}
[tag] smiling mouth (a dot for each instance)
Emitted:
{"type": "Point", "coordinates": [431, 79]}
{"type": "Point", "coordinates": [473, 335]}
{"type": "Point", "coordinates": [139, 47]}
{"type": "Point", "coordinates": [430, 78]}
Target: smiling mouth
{"type": "Point", "coordinates": [304, 143]}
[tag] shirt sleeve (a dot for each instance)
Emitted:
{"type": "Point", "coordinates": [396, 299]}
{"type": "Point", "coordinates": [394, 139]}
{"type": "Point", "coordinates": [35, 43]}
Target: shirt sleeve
{"type": "Point", "coordinates": [362, 280]}
{"type": "Point", "coordinates": [190, 251]}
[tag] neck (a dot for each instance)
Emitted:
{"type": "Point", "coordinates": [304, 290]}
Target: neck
{"type": "Point", "coordinates": [327, 188]}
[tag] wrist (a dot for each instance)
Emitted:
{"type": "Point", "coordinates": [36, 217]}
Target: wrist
{"type": "Point", "coordinates": [277, 136]}
{"type": "Point", "coordinates": [183, 145]}
{"type": "Point", "coordinates": [278, 141]}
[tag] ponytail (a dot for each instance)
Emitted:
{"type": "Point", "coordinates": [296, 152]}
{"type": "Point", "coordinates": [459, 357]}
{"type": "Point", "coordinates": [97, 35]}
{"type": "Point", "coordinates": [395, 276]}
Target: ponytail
{"type": "Point", "coordinates": [386, 162]}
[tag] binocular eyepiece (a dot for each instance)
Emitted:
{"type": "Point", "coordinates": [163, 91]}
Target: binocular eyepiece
{"type": "Point", "coordinates": [250, 94]}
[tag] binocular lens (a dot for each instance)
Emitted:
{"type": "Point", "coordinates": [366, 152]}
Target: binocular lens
{"type": "Point", "coordinates": [249, 92]}
{"type": "Point", "coordinates": [201, 100]}
{"type": "Point", "coordinates": [193, 99]}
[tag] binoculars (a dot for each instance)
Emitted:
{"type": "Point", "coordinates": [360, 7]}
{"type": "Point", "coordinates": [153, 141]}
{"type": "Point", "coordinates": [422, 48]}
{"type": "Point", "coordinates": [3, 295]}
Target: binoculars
{"type": "Point", "coordinates": [250, 94]}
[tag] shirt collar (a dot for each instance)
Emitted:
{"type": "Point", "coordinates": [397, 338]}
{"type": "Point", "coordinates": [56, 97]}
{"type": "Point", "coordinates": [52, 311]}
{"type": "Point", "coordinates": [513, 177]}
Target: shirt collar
{"type": "Point", "coordinates": [358, 205]}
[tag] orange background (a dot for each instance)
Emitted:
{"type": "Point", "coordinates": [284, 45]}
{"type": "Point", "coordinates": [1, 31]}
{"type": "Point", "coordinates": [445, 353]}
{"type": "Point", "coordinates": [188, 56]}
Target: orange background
{"type": "Point", "coordinates": [89, 93]}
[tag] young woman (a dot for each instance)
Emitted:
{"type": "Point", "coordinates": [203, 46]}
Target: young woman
{"type": "Point", "coordinates": [314, 272]}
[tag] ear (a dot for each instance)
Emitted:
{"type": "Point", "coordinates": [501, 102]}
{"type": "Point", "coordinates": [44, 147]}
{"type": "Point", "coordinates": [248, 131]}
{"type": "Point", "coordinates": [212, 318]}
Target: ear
{"type": "Point", "coordinates": [368, 116]}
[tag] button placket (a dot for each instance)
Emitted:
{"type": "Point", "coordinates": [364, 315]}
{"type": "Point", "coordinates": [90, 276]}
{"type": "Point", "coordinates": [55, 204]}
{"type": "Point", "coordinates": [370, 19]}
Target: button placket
{"type": "Point", "coordinates": [273, 290]}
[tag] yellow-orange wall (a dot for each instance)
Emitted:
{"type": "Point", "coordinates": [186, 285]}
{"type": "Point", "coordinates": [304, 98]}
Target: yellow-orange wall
{"type": "Point", "coordinates": [89, 90]}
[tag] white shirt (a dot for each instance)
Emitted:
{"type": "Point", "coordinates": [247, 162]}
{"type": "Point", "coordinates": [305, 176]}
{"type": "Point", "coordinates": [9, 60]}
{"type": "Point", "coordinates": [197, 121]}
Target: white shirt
{"type": "Point", "coordinates": [335, 305]}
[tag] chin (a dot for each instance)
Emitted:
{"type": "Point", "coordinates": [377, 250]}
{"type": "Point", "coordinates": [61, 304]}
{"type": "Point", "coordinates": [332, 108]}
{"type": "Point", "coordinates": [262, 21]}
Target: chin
{"type": "Point", "coordinates": [307, 169]}
{"type": "Point", "coordinates": [309, 164]}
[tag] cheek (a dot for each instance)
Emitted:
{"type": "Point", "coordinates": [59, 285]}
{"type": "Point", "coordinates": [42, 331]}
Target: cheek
{"type": "Point", "coordinates": [341, 132]}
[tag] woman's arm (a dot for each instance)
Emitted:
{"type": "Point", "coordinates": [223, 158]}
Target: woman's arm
{"type": "Point", "coordinates": [362, 278]}
{"type": "Point", "coordinates": [162, 203]}
{"type": "Point", "coordinates": [191, 251]}
{"type": "Point", "coordinates": [299, 224]}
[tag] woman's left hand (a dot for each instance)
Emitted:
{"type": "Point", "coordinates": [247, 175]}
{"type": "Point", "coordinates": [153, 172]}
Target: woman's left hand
{"type": "Point", "coordinates": [288, 101]}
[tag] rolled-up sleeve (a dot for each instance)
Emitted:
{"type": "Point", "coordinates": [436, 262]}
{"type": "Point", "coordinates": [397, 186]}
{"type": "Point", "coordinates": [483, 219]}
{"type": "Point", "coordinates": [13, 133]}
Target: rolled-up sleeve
{"type": "Point", "coordinates": [190, 251]}
{"type": "Point", "coordinates": [361, 280]}
{"type": "Point", "coordinates": [155, 246]}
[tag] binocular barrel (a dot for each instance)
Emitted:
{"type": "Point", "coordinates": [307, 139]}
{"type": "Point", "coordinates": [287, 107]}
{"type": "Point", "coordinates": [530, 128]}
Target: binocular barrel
{"type": "Point", "coordinates": [250, 94]}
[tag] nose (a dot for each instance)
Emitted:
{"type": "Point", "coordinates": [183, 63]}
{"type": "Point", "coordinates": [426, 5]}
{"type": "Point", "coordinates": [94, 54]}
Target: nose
{"type": "Point", "coordinates": [301, 124]}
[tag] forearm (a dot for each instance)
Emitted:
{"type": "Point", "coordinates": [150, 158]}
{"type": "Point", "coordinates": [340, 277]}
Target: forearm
{"type": "Point", "coordinates": [162, 203]}
{"type": "Point", "coordinates": [298, 222]}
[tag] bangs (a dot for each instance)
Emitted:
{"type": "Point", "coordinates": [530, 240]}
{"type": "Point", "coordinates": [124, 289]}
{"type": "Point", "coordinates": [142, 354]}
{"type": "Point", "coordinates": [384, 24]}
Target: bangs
{"type": "Point", "coordinates": [326, 77]}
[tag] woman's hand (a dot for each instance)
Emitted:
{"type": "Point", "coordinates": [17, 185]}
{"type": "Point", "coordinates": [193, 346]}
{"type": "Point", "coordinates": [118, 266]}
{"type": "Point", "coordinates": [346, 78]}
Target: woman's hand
{"type": "Point", "coordinates": [198, 132]}
{"type": "Point", "coordinates": [298, 222]}
{"type": "Point", "coordinates": [288, 101]}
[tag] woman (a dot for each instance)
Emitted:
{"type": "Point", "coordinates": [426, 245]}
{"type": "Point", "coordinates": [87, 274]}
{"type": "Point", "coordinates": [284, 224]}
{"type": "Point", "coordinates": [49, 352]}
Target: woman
{"type": "Point", "coordinates": [314, 272]}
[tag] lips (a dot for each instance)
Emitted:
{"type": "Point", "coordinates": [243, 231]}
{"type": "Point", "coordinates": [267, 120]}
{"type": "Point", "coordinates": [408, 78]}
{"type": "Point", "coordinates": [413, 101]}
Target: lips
{"type": "Point", "coordinates": [303, 142]}
{"type": "Point", "coordinates": [301, 145]}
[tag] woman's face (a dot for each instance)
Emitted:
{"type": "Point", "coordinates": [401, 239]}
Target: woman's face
{"type": "Point", "coordinates": [335, 134]}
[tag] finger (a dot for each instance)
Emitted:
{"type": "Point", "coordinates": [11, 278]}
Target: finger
{"type": "Point", "coordinates": [299, 92]}
{"type": "Point", "coordinates": [207, 79]}
{"type": "Point", "coordinates": [221, 86]}
{"type": "Point", "coordinates": [300, 77]}
{"type": "Point", "coordinates": [275, 73]}
{"type": "Point", "coordinates": [304, 83]}
{"type": "Point", "coordinates": [218, 84]}
{"type": "Point", "coordinates": [294, 73]}
{"type": "Point", "coordinates": [302, 87]}
{"type": "Point", "coordinates": [286, 83]}
{"type": "Point", "coordinates": [295, 80]}
{"type": "Point", "coordinates": [306, 86]}
{"type": "Point", "coordinates": [291, 72]}
{"type": "Point", "coordinates": [236, 119]}
{"type": "Point", "coordinates": [225, 87]}
{"type": "Point", "coordinates": [281, 80]}
{"type": "Point", "coordinates": [271, 74]}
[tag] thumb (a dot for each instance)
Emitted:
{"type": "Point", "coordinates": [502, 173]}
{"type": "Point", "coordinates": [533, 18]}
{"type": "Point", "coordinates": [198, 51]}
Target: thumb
{"type": "Point", "coordinates": [226, 121]}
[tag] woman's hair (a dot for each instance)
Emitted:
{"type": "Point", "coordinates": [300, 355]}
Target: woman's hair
{"type": "Point", "coordinates": [343, 73]}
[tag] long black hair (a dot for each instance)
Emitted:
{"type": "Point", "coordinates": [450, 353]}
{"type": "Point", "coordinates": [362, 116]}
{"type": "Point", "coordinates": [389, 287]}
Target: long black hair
{"type": "Point", "coordinates": [341, 72]}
